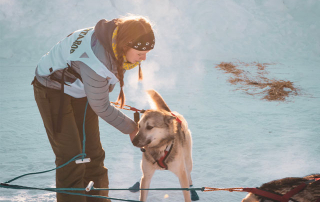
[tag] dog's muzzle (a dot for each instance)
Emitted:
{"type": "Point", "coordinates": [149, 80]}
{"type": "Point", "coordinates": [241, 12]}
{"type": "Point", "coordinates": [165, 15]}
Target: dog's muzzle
{"type": "Point", "coordinates": [138, 141]}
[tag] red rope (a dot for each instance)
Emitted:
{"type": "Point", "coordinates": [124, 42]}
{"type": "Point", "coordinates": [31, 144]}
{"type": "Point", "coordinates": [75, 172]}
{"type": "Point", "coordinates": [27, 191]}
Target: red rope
{"type": "Point", "coordinates": [127, 107]}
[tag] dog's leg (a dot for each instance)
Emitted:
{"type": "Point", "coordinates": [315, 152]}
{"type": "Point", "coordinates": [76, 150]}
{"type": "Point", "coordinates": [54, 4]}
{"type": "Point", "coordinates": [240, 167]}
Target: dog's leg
{"type": "Point", "coordinates": [188, 154]}
{"type": "Point", "coordinates": [193, 193]}
{"type": "Point", "coordinates": [182, 174]}
{"type": "Point", "coordinates": [184, 182]}
{"type": "Point", "coordinates": [147, 173]}
{"type": "Point", "coordinates": [189, 169]}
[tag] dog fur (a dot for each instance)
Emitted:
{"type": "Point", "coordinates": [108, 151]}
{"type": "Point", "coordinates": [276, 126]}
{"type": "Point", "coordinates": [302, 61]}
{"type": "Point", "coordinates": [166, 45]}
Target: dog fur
{"type": "Point", "coordinates": [157, 130]}
{"type": "Point", "coordinates": [282, 186]}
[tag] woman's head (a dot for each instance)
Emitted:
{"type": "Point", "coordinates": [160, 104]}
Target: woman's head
{"type": "Point", "coordinates": [134, 32]}
{"type": "Point", "coordinates": [135, 38]}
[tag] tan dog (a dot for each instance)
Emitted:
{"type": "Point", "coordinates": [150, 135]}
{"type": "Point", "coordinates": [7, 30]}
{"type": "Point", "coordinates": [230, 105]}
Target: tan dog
{"type": "Point", "coordinates": [167, 144]}
{"type": "Point", "coordinates": [311, 193]}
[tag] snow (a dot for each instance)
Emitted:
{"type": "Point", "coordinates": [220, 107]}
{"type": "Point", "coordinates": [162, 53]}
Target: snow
{"type": "Point", "coordinates": [239, 140]}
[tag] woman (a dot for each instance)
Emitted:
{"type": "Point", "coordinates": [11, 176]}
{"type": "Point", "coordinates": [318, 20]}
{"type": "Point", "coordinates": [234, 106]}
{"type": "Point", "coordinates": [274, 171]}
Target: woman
{"type": "Point", "coordinates": [83, 67]}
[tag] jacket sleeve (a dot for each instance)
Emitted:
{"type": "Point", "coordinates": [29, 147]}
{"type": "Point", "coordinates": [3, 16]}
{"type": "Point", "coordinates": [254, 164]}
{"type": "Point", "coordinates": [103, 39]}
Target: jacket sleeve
{"type": "Point", "coordinates": [97, 91]}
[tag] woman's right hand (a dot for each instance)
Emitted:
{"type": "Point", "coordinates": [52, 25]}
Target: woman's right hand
{"type": "Point", "coordinates": [133, 134]}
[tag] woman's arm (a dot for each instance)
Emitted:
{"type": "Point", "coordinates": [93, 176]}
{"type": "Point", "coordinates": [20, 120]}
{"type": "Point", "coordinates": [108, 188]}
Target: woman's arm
{"type": "Point", "coordinates": [97, 91]}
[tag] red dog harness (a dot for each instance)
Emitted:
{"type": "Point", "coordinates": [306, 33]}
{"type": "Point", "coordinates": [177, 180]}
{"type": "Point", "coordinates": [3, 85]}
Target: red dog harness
{"type": "Point", "coordinates": [276, 197]}
{"type": "Point", "coordinates": [167, 151]}
{"type": "Point", "coordinates": [161, 162]}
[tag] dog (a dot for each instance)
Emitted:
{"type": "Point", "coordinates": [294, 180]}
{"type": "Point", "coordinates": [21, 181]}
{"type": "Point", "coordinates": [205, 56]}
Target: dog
{"type": "Point", "coordinates": [311, 193]}
{"type": "Point", "coordinates": [167, 144]}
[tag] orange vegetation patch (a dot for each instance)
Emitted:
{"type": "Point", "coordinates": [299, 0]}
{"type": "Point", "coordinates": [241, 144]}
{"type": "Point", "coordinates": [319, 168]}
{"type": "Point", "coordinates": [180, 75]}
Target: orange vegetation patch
{"type": "Point", "coordinates": [279, 90]}
{"type": "Point", "coordinates": [276, 90]}
{"type": "Point", "coordinates": [230, 68]}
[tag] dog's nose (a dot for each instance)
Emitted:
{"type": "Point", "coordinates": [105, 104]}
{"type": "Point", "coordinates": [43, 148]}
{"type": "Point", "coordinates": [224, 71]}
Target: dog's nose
{"type": "Point", "coordinates": [135, 141]}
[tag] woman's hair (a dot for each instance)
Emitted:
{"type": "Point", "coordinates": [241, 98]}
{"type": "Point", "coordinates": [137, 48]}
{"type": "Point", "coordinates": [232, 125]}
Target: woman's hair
{"type": "Point", "coordinates": [130, 28]}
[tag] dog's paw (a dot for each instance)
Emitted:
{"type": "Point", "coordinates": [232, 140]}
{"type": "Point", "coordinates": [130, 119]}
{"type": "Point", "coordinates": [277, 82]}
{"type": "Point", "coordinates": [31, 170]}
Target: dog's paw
{"type": "Point", "coordinates": [194, 195]}
{"type": "Point", "coordinates": [135, 188]}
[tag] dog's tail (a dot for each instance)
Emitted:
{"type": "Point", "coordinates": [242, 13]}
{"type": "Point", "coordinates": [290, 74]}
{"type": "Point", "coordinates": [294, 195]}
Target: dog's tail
{"type": "Point", "coordinates": [158, 100]}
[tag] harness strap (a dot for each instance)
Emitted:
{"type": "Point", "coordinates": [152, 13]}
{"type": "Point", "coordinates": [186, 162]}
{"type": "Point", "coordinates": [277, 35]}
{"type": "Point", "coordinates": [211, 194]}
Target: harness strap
{"type": "Point", "coordinates": [263, 193]}
{"type": "Point", "coordinates": [176, 118]}
{"type": "Point", "coordinates": [73, 72]}
{"type": "Point", "coordinates": [294, 191]}
{"type": "Point", "coordinates": [161, 162]}
{"type": "Point", "coordinates": [59, 121]}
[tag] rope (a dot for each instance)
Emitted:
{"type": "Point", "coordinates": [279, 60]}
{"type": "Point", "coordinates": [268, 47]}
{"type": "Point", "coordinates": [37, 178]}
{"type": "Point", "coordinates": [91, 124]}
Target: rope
{"type": "Point", "coordinates": [239, 189]}
{"type": "Point", "coordinates": [4, 185]}
{"type": "Point", "coordinates": [73, 159]}
{"type": "Point", "coordinates": [84, 131]}
{"type": "Point", "coordinates": [83, 154]}
{"type": "Point", "coordinates": [154, 189]}
{"type": "Point", "coordinates": [67, 190]}
{"type": "Point", "coordinates": [127, 107]}
{"type": "Point", "coordinates": [203, 189]}
{"type": "Point", "coordinates": [61, 190]}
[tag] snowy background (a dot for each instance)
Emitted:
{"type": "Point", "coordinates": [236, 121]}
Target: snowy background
{"type": "Point", "coordinates": [239, 140]}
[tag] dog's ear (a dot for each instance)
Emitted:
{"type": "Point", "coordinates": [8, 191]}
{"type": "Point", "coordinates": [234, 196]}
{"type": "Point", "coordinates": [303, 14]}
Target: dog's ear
{"type": "Point", "coordinates": [156, 98]}
{"type": "Point", "coordinates": [168, 119]}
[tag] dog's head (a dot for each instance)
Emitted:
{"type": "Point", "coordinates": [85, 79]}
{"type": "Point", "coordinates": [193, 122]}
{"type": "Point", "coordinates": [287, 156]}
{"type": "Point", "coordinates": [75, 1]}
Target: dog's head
{"type": "Point", "coordinates": [155, 125]}
{"type": "Point", "coordinates": [154, 128]}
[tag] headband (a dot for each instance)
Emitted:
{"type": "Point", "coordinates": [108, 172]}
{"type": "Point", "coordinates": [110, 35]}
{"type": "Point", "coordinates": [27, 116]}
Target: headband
{"type": "Point", "coordinates": [143, 43]}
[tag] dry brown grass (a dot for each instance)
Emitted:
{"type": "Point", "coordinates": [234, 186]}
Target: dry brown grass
{"type": "Point", "coordinates": [228, 67]}
{"type": "Point", "coordinates": [261, 66]}
{"type": "Point", "coordinates": [278, 90]}
{"type": "Point", "coordinates": [236, 80]}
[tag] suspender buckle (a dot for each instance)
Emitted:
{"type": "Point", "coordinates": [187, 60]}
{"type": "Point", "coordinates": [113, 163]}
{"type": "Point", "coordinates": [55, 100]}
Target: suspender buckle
{"type": "Point", "coordinates": [85, 160]}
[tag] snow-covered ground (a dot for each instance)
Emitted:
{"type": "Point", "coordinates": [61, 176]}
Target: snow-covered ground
{"type": "Point", "coordinates": [239, 140]}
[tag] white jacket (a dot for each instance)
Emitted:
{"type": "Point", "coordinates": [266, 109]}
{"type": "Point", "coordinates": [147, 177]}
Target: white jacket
{"type": "Point", "coordinates": [75, 47]}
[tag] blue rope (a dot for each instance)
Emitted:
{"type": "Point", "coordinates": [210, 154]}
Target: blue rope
{"type": "Point", "coordinates": [64, 190]}
{"type": "Point", "coordinates": [73, 159]}
{"type": "Point", "coordinates": [83, 154]}
{"type": "Point", "coordinates": [84, 132]}
{"type": "Point", "coordinates": [60, 190]}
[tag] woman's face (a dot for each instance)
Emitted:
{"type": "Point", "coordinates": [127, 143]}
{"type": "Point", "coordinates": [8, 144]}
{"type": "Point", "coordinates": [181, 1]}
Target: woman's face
{"type": "Point", "coordinates": [134, 55]}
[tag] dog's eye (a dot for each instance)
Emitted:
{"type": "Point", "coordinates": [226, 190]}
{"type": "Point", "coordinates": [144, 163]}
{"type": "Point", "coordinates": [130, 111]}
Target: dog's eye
{"type": "Point", "coordinates": [149, 127]}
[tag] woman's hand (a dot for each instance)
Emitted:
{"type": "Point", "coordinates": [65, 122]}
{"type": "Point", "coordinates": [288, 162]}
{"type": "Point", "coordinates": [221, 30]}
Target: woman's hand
{"type": "Point", "coordinates": [133, 134]}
